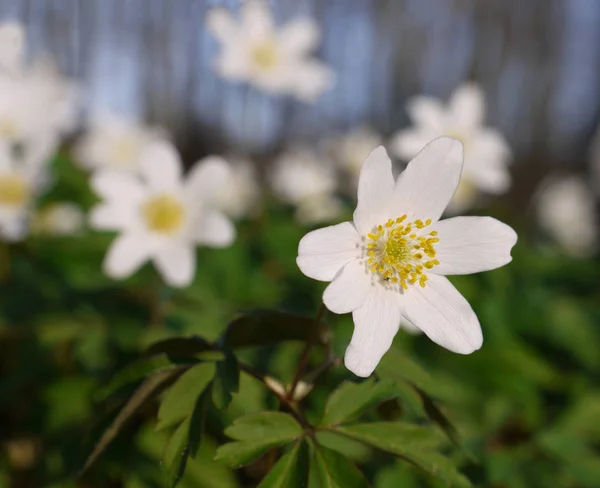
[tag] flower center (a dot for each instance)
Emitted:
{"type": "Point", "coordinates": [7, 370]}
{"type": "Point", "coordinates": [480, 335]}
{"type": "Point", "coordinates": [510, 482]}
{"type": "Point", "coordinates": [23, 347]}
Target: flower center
{"type": "Point", "coordinates": [400, 253]}
{"type": "Point", "coordinates": [14, 190]}
{"type": "Point", "coordinates": [124, 152]}
{"type": "Point", "coordinates": [8, 129]}
{"type": "Point", "coordinates": [163, 214]}
{"type": "Point", "coordinates": [265, 55]}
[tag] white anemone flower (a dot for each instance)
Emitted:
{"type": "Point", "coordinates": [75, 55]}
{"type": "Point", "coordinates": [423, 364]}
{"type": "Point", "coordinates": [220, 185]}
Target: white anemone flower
{"type": "Point", "coordinates": [160, 215]}
{"type": "Point", "coordinates": [567, 210]}
{"type": "Point", "coordinates": [115, 143]}
{"type": "Point", "coordinates": [59, 219]}
{"type": "Point", "coordinates": [388, 265]}
{"type": "Point", "coordinates": [21, 181]}
{"type": "Point", "coordinates": [240, 197]}
{"type": "Point", "coordinates": [304, 179]}
{"type": "Point", "coordinates": [350, 150]}
{"type": "Point", "coordinates": [277, 61]}
{"type": "Point", "coordinates": [487, 153]}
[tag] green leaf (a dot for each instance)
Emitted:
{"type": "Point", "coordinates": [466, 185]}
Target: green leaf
{"type": "Point", "coordinates": [351, 399]}
{"type": "Point", "coordinates": [332, 470]}
{"type": "Point", "coordinates": [436, 415]}
{"type": "Point", "coordinates": [135, 372]}
{"type": "Point", "coordinates": [267, 327]}
{"type": "Point", "coordinates": [291, 471]}
{"type": "Point", "coordinates": [257, 432]}
{"type": "Point", "coordinates": [181, 398]}
{"type": "Point", "coordinates": [177, 452]}
{"type": "Point", "coordinates": [413, 443]}
{"type": "Point", "coordinates": [145, 391]}
{"type": "Point", "coordinates": [227, 381]}
{"type": "Point", "coordinates": [197, 421]}
{"type": "Point", "coordinates": [179, 347]}
{"type": "Point", "coordinates": [396, 365]}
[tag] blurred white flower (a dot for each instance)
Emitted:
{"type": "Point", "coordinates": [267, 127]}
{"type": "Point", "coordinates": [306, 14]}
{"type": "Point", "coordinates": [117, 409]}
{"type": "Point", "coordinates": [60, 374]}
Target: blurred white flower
{"type": "Point", "coordinates": [115, 143]}
{"type": "Point", "coordinates": [566, 209]}
{"type": "Point", "coordinates": [487, 153]}
{"type": "Point", "coordinates": [303, 179]}
{"type": "Point", "coordinates": [37, 105]}
{"type": "Point", "coordinates": [350, 150]}
{"type": "Point", "coordinates": [275, 60]}
{"type": "Point", "coordinates": [21, 181]}
{"type": "Point", "coordinates": [160, 215]}
{"type": "Point", "coordinates": [388, 266]}
{"type": "Point", "coordinates": [59, 219]}
{"type": "Point", "coordinates": [240, 197]}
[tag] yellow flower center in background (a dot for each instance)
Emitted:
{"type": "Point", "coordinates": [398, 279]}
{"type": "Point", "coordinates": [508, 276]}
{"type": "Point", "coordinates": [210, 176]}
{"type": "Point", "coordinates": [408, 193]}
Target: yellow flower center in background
{"type": "Point", "coordinates": [265, 55]}
{"type": "Point", "coordinates": [163, 214]}
{"type": "Point", "coordinates": [14, 190]}
{"type": "Point", "coordinates": [400, 253]}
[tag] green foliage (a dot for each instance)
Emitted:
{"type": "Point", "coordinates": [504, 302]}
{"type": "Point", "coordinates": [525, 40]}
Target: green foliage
{"type": "Point", "coordinates": [291, 471]}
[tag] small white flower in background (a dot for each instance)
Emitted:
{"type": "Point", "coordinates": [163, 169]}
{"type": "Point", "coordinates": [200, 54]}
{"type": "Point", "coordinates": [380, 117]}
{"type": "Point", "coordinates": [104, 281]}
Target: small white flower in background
{"type": "Point", "coordinates": [240, 197]}
{"type": "Point", "coordinates": [388, 265]}
{"type": "Point", "coordinates": [37, 105]}
{"type": "Point", "coordinates": [567, 209]}
{"type": "Point", "coordinates": [350, 150]}
{"type": "Point", "coordinates": [161, 215]}
{"type": "Point", "coordinates": [487, 153]}
{"type": "Point", "coordinates": [277, 61]}
{"type": "Point", "coordinates": [115, 143]}
{"type": "Point", "coordinates": [21, 181]}
{"type": "Point", "coordinates": [304, 179]}
{"type": "Point", "coordinates": [59, 219]}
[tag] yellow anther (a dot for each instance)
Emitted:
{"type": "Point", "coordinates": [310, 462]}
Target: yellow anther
{"type": "Point", "coordinates": [428, 222]}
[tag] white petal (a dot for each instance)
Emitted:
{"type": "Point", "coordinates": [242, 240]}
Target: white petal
{"type": "Point", "coordinates": [160, 166]}
{"type": "Point", "coordinates": [215, 230]}
{"type": "Point", "coordinates": [490, 177]}
{"type": "Point", "coordinates": [299, 36]}
{"type": "Point", "coordinates": [443, 314]}
{"type": "Point", "coordinates": [12, 42]}
{"type": "Point", "coordinates": [111, 216]}
{"type": "Point", "coordinates": [427, 113]}
{"type": "Point", "coordinates": [467, 106]}
{"type": "Point", "coordinates": [472, 244]}
{"type": "Point", "coordinates": [176, 263]}
{"type": "Point", "coordinates": [349, 290]}
{"type": "Point", "coordinates": [221, 24]}
{"type": "Point", "coordinates": [207, 178]}
{"type": "Point", "coordinates": [410, 328]}
{"type": "Point", "coordinates": [126, 255]}
{"type": "Point", "coordinates": [310, 79]}
{"type": "Point", "coordinates": [257, 21]}
{"type": "Point", "coordinates": [375, 325]}
{"type": "Point", "coordinates": [407, 143]}
{"type": "Point", "coordinates": [323, 252]}
{"type": "Point", "coordinates": [375, 189]}
{"type": "Point", "coordinates": [122, 188]}
{"type": "Point", "coordinates": [425, 187]}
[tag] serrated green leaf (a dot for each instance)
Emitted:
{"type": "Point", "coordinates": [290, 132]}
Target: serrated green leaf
{"type": "Point", "coordinates": [351, 399]}
{"type": "Point", "coordinates": [145, 391]}
{"type": "Point", "coordinates": [291, 471]}
{"type": "Point", "coordinates": [176, 453]}
{"type": "Point", "coordinates": [413, 443]}
{"type": "Point", "coordinates": [181, 398]}
{"type": "Point", "coordinates": [227, 381]}
{"type": "Point", "coordinates": [260, 328]}
{"type": "Point", "coordinates": [350, 448]}
{"type": "Point", "coordinates": [332, 470]}
{"type": "Point", "coordinates": [257, 432]}
{"type": "Point", "coordinates": [197, 421]}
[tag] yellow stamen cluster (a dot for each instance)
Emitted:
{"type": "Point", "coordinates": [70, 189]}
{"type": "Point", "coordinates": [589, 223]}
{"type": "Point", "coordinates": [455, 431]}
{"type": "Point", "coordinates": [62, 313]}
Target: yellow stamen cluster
{"type": "Point", "coordinates": [13, 190]}
{"type": "Point", "coordinates": [163, 214]}
{"type": "Point", "coordinates": [401, 252]}
{"type": "Point", "coordinates": [265, 55]}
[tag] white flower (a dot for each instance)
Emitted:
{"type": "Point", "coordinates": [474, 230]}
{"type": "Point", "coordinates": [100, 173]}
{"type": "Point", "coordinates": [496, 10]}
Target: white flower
{"type": "Point", "coordinates": [240, 197]}
{"type": "Point", "coordinates": [350, 150]}
{"type": "Point", "coordinates": [115, 143]}
{"type": "Point", "coordinates": [276, 61]}
{"type": "Point", "coordinates": [21, 181]}
{"type": "Point", "coordinates": [303, 179]}
{"type": "Point", "coordinates": [486, 151]}
{"type": "Point", "coordinates": [59, 219]}
{"type": "Point", "coordinates": [566, 208]}
{"type": "Point", "coordinates": [37, 105]}
{"type": "Point", "coordinates": [388, 265]}
{"type": "Point", "coordinates": [161, 216]}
